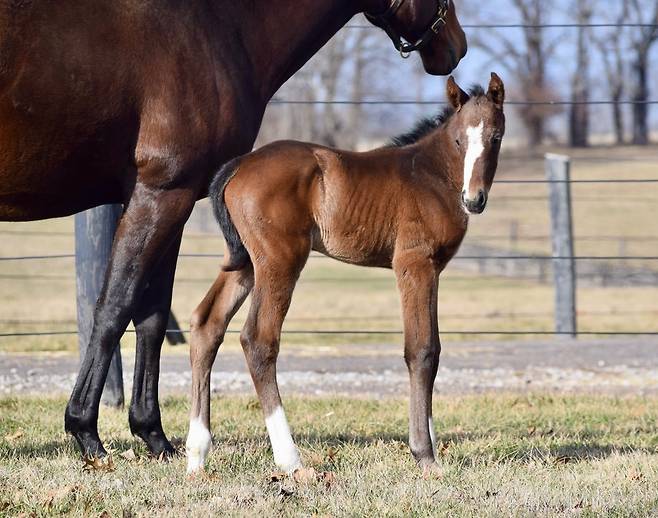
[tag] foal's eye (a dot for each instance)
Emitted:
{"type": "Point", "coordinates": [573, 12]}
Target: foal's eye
{"type": "Point", "coordinates": [495, 140]}
{"type": "Point", "coordinates": [458, 143]}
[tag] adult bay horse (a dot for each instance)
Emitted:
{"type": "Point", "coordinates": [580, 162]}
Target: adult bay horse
{"type": "Point", "coordinates": [403, 207]}
{"type": "Point", "coordinates": [139, 102]}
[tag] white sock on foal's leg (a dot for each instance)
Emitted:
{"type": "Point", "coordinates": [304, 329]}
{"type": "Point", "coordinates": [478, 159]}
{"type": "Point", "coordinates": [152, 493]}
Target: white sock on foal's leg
{"type": "Point", "coordinates": [197, 445]}
{"type": "Point", "coordinates": [286, 456]}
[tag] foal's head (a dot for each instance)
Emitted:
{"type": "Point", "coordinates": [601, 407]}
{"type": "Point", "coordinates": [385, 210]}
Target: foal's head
{"type": "Point", "coordinates": [476, 130]}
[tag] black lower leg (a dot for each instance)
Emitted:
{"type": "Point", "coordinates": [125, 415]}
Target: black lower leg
{"type": "Point", "coordinates": [150, 325]}
{"type": "Point", "coordinates": [81, 417]}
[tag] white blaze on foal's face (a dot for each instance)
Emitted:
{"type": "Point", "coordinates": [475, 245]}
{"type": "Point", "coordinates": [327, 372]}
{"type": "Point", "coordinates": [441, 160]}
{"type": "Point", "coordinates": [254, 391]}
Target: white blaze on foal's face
{"type": "Point", "coordinates": [474, 149]}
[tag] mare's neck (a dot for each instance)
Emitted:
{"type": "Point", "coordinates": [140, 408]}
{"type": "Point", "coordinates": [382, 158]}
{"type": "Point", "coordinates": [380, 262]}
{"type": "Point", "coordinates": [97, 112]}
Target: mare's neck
{"type": "Point", "coordinates": [279, 36]}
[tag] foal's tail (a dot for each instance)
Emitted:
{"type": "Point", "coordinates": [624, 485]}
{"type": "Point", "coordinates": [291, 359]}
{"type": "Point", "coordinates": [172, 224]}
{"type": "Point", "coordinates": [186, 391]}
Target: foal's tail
{"type": "Point", "coordinates": [238, 255]}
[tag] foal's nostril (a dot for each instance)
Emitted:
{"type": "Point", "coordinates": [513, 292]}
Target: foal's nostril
{"type": "Point", "coordinates": [481, 199]}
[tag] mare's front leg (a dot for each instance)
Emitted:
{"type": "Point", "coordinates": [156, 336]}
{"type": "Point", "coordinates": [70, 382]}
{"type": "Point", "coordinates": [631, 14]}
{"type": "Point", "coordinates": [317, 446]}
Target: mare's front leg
{"type": "Point", "coordinates": [417, 278]}
{"type": "Point", "coordinates": [152, 221]}
{"type": "Point", "coordinates": [150, 319]}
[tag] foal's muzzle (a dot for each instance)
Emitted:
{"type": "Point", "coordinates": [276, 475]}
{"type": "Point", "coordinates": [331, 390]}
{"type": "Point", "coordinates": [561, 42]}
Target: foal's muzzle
{"type": "Point", "coordinates": [477, 204]}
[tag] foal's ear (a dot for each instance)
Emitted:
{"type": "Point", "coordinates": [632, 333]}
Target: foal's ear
{"type": "Point", "coordinates": [496, 92]}
{"type": "Point", "coordinates": [456, 95]}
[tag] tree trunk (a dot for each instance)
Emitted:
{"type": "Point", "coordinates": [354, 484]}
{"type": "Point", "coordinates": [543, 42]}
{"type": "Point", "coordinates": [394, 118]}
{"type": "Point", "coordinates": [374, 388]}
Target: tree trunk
{"type": "Point", "coordinates": [536, 131]}
{"type": "Point", "coordinates": [640, 94]}
{"type": "Point", "coordinates": [579, 114]}
{"type": "Point", "coordinates": [617, 116]}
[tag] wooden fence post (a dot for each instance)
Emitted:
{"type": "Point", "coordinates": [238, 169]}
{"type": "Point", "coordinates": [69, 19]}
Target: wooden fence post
{"type": "Point", "coordinates": [557, 169]}
{"type": "Point", "coordinates": [94, 233]}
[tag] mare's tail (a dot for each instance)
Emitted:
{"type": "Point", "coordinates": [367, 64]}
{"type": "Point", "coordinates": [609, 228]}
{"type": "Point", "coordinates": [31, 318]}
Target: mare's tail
{"type": "Point", "coordinates": [238, 255]}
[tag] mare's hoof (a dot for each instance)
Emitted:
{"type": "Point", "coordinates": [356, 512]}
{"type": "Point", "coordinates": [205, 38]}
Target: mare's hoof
{"type": "Point", "coordinates": [159, 447]}
{"type": "Point", "coordinates": [90, 445]}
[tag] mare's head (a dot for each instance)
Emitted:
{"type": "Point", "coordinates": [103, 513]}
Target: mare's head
{"type": "Point", "coordinates": [476, 130]}
{"type": "Point", "coordinates": [429, 26]}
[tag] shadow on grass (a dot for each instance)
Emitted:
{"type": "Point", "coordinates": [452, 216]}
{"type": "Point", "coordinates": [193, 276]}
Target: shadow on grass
{"type": "Point", "coordinates": [66, 447]}
{"type": "Point", "coordinates": [517, 449]}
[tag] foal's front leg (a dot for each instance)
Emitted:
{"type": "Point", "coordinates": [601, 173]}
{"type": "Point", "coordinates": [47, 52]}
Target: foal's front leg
{"type": "Point", "coordinates": [418, 285]}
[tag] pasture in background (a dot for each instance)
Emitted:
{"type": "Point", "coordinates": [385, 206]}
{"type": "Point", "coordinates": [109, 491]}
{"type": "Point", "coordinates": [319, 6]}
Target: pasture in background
{"type": "Point", "coordinates": [478, 295]}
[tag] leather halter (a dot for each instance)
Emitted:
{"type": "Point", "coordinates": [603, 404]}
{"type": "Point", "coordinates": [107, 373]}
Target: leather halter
{"type": "Point", "coordinates": [383, 20]}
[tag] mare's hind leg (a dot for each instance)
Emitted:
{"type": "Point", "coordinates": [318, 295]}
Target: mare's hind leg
{"type": "Point", "coordinates": [417, 278]}
{"type": "Point", "coordinates": [209, 323]}
{"type": "Point", "coordinates": [150, 321]}
{"type": "Point", "coordinates": [153, 219]}
{"type": "Point", "coordinates": [275, 282]}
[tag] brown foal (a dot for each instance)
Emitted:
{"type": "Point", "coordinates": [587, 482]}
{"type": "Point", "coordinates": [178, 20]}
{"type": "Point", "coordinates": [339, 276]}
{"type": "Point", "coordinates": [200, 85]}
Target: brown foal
{"type": "Point", "coordinates": [403, 207]}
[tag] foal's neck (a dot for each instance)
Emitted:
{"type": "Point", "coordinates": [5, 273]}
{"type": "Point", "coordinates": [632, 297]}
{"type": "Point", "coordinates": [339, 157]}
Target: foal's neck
{"type": "Point", "coordinates": [441, 156]}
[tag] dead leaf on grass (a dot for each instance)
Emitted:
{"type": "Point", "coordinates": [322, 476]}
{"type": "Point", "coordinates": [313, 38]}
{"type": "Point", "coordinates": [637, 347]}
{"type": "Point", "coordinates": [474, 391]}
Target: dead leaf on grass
{"type": "Point", "coordinates": [277, 476]}
{"type": "Point", "coordinates": [443, 448]}
{"type": "Point", "coordinates": [331, 454]}
{"type": "Point", "coordinates": [328, 478]}
{"type": "Point", "coordinates": [128, 455]}
{"type": "Point", "coordinates": [253, 404]}
{"type": "Point", "coordinates": [178, 443]}
{"type": "Point", "coordinates": [433, 471]}
{"type": "Point", "coordinates": [284, 493]}
{"type": "Point", "coordinates": [55, 496]}
{"type": "Point", "coordinates": [314, 459]}
{"type": "Point", "coordinates": [635, 475]}
{"type": "Point", "coordinates": [305, 475]}
{"type": "Point", "coordinates": [98, 464]}
{"type": "Point", "coordinates": [12, 437]}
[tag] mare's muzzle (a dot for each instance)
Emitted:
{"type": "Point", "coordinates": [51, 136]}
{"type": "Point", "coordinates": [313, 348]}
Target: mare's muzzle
{"type": "Point", "coordinates": [477, 204]}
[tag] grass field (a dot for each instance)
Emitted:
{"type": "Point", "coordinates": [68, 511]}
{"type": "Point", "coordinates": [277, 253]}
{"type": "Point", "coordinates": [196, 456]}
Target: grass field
{"type": "Point", "coordinates": [502, 456]}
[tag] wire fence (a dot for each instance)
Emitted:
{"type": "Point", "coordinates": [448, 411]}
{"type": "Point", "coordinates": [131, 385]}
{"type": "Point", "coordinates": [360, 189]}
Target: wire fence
{"type": "Point", "coordinates": [531, 26]}
{"type": "Point", "coordinates": [420, 102]}
{"type": "Point", "coordinates": [376, 332]}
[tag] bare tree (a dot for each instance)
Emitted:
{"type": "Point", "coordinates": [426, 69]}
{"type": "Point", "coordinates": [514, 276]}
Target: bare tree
{"type": "Point", "coordinates": [609, 45]}
{"type": "Point", "coordinates": [527, 60]}
{"type": "Point", "coordinates": [345, 68]}
{"type": "Point", "coordinates": [641, 39]}
{"type": "Point", "coordinates": [579, 110]}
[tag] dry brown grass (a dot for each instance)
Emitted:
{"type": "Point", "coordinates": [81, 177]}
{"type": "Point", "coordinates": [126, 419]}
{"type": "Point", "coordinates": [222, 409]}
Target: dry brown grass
{"type": "Point", "coordinates": [502, 456]}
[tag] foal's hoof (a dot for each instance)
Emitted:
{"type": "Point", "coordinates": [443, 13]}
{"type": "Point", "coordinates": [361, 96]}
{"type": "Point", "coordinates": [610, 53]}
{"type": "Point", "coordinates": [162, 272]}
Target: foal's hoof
{"type": "Point", "coordinates": [432, 471]}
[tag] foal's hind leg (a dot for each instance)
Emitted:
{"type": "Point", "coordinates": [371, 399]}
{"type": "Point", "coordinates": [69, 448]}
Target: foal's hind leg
{"type": "Point", "coordinates": [418, 285]}
{"type": "Point", "coordinates": [209, 323]}
{"type": "Point", "coordinates": [260, 337]}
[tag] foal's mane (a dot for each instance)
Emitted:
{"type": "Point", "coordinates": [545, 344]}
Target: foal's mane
{"type": "Point", "coordinates": [427, 125]}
